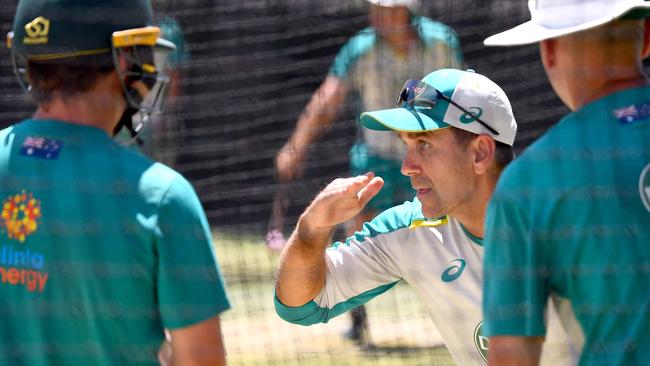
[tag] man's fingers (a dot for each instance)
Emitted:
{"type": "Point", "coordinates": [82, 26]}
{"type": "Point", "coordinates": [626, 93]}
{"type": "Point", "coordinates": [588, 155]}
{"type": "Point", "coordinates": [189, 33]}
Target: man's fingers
{"type": "Point", "coordinates": [370, 190]}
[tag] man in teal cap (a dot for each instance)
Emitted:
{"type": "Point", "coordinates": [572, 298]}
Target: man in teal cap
{"type": "Point", "coordinates": [569, 219]}
{"type": "Point", "coordinates": [101, 249]}
{"type": "Point", "coordinates": [458, 130]}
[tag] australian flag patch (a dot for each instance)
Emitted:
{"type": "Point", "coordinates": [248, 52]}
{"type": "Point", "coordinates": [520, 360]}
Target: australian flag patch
{"type": "Point", "coordinates": [633, 113]}
{"type": "Point", "coordinates": [41, 147]}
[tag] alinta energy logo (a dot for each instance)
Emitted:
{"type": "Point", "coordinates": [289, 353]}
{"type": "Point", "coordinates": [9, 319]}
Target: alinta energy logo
{"type": "Point", "coordinates": [644, 186]}
{"type": "Point", "coordinates": [37, 31]}
{"type": "Point", "coordinates": [20, 266]}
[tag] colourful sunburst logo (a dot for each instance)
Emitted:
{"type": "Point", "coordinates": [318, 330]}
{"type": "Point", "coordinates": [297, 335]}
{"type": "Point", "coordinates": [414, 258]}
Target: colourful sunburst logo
{"type": "Point", "coordinates": [20, 214]}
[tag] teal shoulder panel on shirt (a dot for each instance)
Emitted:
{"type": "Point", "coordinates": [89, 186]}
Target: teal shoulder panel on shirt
{"type": "Point", "coordinates": [393, 219]}
{"type": "Point", "coordinates": [353, 49]}
{"type": "Point", "coordinates": [311, 313]}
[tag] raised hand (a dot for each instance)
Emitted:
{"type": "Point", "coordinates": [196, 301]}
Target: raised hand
{"type": "Point", "coordinates": [339, 202]}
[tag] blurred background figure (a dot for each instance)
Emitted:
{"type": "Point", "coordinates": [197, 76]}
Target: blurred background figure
{"type": "Point", "coordinates": [398, 45]}
{"type": "Point", "coordinates": [163, 137]}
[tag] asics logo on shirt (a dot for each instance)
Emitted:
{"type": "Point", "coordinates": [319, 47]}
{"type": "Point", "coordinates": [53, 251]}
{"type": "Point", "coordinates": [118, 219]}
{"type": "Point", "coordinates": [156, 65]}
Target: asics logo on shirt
{"type": "Point", "coordinates": [453, 272]}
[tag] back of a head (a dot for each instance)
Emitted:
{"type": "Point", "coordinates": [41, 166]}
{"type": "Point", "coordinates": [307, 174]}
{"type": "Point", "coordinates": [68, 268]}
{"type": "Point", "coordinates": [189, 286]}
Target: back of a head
{"type": "Point", "coordinates": [57, 29]}
{"type": "Point", "coordinates": [64, 46]}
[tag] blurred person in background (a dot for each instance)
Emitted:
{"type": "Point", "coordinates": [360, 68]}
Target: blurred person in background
{"type": "Point", "coordinates": [102, 248]}
{"type": "Point", "coordinates": [164, 136]}
{"type": "Point", "coordinates": [569, 219]}
{"type": "Point", "coordinates": [374, 63]}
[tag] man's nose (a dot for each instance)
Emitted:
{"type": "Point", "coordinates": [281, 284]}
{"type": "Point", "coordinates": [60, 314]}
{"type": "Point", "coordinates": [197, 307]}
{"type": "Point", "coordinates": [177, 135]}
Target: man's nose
{"type": "Point", "coordinates": [409, 166]}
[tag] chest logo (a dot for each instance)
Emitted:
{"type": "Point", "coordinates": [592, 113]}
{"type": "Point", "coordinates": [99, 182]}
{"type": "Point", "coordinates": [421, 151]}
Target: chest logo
{"type": "Point", "coordinates": [644, 187]}
{"type": "Point", "coordinates": [453, 272]}
{"type": "Point", "coordinates": [481, 341]}
{"type": "Point", "coordinates": [20, 214]}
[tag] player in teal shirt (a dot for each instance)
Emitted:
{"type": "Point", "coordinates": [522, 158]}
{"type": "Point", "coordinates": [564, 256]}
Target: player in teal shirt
{"type": "Point", "coordinates": [101, 249]}
{"type": "Point", "coordinates": [570, 218]}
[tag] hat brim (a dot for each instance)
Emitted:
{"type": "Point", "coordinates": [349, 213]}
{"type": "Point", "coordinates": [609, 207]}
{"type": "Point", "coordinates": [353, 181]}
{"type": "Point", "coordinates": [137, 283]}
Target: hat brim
{"type": "Point", "coordinates": [530, 32]}
{"type": "Point", "coordinates": [400, 119]}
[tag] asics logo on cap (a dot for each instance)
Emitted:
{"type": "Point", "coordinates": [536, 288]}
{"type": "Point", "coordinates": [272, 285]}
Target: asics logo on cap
{"type": "Point", "coordinates": [476, 113]}
{"type": "Point", "coordinates": [37, 31]}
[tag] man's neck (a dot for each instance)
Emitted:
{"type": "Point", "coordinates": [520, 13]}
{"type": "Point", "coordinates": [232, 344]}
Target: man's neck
{"type": "Point", "coordinates": [606, 87]}
{"type": "Point", "coordinates": [401, 42]}
{"type": "Point", "coordinates": [474, 225]}
{"type": "Point", "coordinates": [471, 214]}
{"type": "Point", "coordinates": [88, 109]}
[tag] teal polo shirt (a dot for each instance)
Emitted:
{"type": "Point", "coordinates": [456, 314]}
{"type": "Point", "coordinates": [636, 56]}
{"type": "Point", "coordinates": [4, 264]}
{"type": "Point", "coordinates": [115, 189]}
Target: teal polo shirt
{"type": "Point", "coordinates": [570, 219]}
{"type": "Point", "coordinates": [100, 250]}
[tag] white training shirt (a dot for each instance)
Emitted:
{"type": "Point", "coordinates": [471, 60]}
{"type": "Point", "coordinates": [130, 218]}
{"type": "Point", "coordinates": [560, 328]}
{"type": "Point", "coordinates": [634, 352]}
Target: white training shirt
{"type": "Point", "coordinates": [440, 259]}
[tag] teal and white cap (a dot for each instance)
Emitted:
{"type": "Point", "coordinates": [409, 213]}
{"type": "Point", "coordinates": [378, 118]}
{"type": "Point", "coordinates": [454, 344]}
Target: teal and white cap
{"type": "Point", "coordinates": [556, 18]}
{"type": "Point", "coordinates": [466, 100]}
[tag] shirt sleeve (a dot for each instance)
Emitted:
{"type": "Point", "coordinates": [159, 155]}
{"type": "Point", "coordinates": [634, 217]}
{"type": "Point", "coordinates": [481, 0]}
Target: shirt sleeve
{"type": "Point", "coordinates": [189, 282]}
{"type": "Point", "coordinates": [350, 53]}
{"type": "Point", "coordinates": [358, 270]}
{"type": "Point", "coordinates": [516, 276]}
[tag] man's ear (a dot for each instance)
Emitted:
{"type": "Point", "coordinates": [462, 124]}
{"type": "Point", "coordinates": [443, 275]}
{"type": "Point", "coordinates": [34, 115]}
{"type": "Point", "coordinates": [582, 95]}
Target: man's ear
{"type": "Point", "coordinates": [484, 148]}
{"type": "Point", "coordinates": [547, 50]}
{"type": "Point", "coordinates": [646, 39]}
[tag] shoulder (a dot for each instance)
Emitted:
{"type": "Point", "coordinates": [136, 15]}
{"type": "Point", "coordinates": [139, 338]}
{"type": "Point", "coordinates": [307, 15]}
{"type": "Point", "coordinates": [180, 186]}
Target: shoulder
{"type": "Point", "coordinates": [432, 31]}
{"type": "Point", "coordinates": [405, 217]}
{"type": "Point", "coordinates": [541, 158]}
{"type": "Point", "coordinates": [360, 43]}
{"type": "Point", "coordinates": [355, 48]}
{"type": "Point", "coordinates": [395, 218]}
{"type": "Point", "coordinates": [160, 183]}
{"type": "Point", "coordinates": [4, 135]}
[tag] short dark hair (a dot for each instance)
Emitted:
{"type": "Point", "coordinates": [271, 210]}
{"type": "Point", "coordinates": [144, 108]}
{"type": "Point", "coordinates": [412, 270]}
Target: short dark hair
{"type": "Point", "coordinates": [67, 76]}
{"type": "Point", "coordinates": [503, 155]}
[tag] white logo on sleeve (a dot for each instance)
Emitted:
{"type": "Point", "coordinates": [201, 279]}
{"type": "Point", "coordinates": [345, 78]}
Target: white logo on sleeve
{"type": "Point", "coordinates": [644, 187]}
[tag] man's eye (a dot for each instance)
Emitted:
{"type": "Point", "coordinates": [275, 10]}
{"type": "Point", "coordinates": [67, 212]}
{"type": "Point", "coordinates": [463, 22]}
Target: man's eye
{"type": "Point", "coordinates": [423, 145]}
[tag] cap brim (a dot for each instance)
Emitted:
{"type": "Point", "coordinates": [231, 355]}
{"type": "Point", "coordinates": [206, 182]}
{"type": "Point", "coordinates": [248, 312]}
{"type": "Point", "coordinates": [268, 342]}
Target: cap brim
{"type": "Point", "coordinates": [400, 119]}
{"type": "Point", "coordinates": [529, 32]}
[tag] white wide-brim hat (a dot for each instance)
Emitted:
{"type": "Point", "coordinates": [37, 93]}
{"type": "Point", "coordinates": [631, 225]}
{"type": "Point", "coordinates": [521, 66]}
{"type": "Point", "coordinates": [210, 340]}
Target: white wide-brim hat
{"type": "Point", "coordinates": [555, 18]}
{"type": "Point", "coordinates": [395, 3]}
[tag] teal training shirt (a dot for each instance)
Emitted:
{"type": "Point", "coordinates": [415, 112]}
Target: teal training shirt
{"type": "Point", "coordinates": [100, 249]}
{"type": "Point", "coordinates": [570, 219]}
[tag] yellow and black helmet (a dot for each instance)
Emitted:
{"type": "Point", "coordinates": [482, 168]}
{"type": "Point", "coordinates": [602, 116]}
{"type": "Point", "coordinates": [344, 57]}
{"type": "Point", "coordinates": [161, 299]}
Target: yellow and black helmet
{"type": "Point", "coordinates": [65, 30]}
